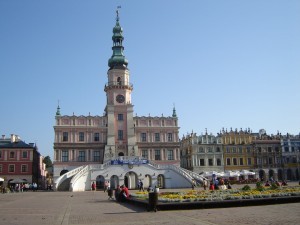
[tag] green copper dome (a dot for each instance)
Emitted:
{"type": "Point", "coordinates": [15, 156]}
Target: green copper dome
{"type": "Point", "coordinates": [117, 59]}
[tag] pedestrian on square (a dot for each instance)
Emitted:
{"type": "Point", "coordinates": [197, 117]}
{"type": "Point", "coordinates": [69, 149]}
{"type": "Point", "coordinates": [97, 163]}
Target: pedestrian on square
{"type": "Point", "coordinates": [205, 184]}
{"type": "Point", "coordinates": [110, 193]}
{"type": "Point", "coordinates": [105, 185]}
{"type": "Point", "coordinates": [141, 185]}
{"type": "Point", "coordinates": [93, 186]}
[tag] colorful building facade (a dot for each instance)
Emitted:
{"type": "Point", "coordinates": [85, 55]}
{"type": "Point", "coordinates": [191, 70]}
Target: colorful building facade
{"type": "Point", "coordinates": [21, 161]}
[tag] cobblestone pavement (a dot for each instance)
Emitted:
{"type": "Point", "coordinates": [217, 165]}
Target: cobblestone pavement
{"type": "Point", "coordinates": [90, 208]}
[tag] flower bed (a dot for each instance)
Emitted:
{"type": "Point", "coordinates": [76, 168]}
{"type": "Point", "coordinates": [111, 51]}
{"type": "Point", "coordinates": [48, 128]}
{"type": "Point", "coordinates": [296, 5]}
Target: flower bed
{"type": "Point", "coordinates": [221, 195]}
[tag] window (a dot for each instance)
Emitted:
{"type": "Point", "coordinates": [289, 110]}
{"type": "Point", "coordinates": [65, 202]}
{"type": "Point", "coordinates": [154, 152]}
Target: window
{"type": "Point", "coordinates": [11, 168]}
{"type": "Point", "coordinates": [278, 160]}
{"type": "Point", "coordinates": [218, 162]}
{"type": "Point", "coordinates": [12, 155]}
{"type": "Point", "coordinates": [65, 136]}
{"type": "Point", "coordinates": [24, 154]}
{"type": "Point", "coordinates": [269, 149]}
{"type": "Point", "coordinates": [218, 149]}
{"type": "Point", "coordinates": [228, 162]}
{"type": "Point", "coordinates": [170, 137]}
{"type": "Point", "coordinates": [249, 161]}
{"type": "Point", "coordinates": [286, 149]}
{"type": "Point", "coordinates": [259, 162]}
{"type": "Point", "coordinates": [276, 149]}
{"type": "Point", "coordinates": [210, 162]}
{"type": "Point", "coordinates": [234, 161]}
{"type": "Point", "coordinates": [170, 155]}
{"type": "Point", "coordinates": [248, 150]}
{"type": "Point", "coordinates": [233, 149]}
{"type": "Point", "coordinates": [96, 156]}
{"type": "Point", "coordinates": [65, 156]}
{"type": "Point", "coordinates": [240, 150]}
{"type": "Point", "coordinates": [120, 134]}
{"type": "Point", "coordinates": [209, 149]}
{"type": "Point", "coordinates": [270, 160]}
{"type": "Point", "coordinates": [24, 168]}
{"type": "Point", "coordinates": [145, 154]}
{"type": "Point", "coordinates": [227, 150]}
{"type": "Point", "coordinates": [143, 137]}
{"type": "Point", "coordinates": [294, 159]}
{"type": "Point", "coordinates": [81, 157]}
{"type": "Point", "coordinates": [287, 160]}
{"type": "Point", "coordinates": [157, 137]}
{"type": "Point", "coordinates": [0, 154]}
{"type": "Point", "coordinates": [81, 136]}
{"type": "Point", "coordinates": [120, 117]}
{"type": "Point", "coordinates": [157, 154]}
{"type": "Point", "coordinates": [200, 149]}
{"type": "Point", "coordinates": [241, 161]}
{"type": "Point", "coordinates": [0, 168]}
{"type": "Point", "coordinates": [202, 162]}
{"type": "Point", "coordinates": [96, 137]}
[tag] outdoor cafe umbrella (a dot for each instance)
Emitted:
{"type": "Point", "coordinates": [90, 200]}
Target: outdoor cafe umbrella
{"type": "Point", "coordinates": [1, 179]}
{"type": "Point", "coordinates": [247, 172]}
{"type": "Point", "coordinates": [17, 181]}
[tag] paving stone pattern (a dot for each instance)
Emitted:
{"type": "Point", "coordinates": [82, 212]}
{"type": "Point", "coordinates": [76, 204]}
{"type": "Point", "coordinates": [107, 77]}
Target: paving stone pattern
{"type": "Point", "coordinates": [91, 208]}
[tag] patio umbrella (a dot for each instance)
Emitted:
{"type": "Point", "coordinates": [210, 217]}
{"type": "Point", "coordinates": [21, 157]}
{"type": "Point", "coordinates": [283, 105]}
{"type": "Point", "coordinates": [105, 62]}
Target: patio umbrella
{"type": "Point", "coordinates": [232, 174]}
{"type": "Point", "coordinates": [17, 181]}
{"type": "Point", "coordinates": [1, 179]}
{"type": "Point", "coordinates": [246, 172]}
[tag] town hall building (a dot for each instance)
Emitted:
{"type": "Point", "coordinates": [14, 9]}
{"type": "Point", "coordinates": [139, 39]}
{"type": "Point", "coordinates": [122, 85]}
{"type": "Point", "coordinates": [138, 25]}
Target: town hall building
{"type": "Point", "coordinates": [117, 139]}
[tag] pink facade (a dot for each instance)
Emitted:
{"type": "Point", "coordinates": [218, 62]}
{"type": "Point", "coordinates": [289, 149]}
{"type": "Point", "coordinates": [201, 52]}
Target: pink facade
{"type": "Point", "coordinates": [19, 160]}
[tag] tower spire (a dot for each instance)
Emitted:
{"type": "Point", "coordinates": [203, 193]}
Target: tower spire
{"type": "Point", "coordinates": [58, 109]}
{"type": "Point", "coordinates": [117, 60]}
{"type": "Point", "coordinates": [174, 111]}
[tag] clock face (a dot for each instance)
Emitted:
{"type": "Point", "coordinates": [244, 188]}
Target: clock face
{"type": "Point", "coordinates": [120, 98]}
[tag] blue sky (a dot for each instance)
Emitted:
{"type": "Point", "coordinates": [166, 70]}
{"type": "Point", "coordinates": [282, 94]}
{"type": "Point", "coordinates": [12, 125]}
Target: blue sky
{"type": "Point", "coordinates": [222, 63]}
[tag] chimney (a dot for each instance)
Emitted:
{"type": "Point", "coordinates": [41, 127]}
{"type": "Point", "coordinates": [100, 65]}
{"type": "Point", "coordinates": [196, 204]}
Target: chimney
{"type": "Point", "coordinates": [12, 138]}
{"type": "Point", "coordinates": [3, 136]}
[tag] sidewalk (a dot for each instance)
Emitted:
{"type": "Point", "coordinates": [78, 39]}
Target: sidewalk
{"type": "Point", "coordinates": [91, 208]}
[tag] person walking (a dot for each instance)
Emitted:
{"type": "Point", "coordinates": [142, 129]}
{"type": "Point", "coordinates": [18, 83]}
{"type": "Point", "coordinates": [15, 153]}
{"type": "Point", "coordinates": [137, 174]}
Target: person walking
{"type": "Point", "coordinates": [141, 185]}
{"type": "Point", "coordinates": [93, 186]}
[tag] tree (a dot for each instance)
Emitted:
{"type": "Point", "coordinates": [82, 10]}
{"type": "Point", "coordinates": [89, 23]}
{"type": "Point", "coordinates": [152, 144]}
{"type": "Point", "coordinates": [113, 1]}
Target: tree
{"type": "Point", "coordinates": [47, 161]}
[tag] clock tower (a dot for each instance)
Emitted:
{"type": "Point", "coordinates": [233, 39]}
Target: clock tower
{"type": "Point", "coordinates": [121, 140]}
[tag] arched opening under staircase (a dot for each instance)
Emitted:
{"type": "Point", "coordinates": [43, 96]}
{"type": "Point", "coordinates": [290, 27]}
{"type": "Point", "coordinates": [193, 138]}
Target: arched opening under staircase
{"type": "Point", "coordinates": [100, 182]}
{"type": "Point", "coordinates": [160, 181]}
{"type": "Point", "coordinates": [147, 181]}
{"type": "Point", "coordinates": [131, 180]}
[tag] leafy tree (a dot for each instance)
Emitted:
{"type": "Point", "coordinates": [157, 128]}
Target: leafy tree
{"type": "Point", "coordinates": [47, 161]}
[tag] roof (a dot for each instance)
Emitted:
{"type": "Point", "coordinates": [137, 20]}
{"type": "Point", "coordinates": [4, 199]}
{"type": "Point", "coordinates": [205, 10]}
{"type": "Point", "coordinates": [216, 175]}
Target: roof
{"type": "Point", "coordinates": [18, 144]}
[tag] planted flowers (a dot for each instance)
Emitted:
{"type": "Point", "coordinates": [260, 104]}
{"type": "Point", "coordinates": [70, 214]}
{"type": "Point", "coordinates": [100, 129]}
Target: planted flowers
{"type": "Point", "coordinates": [222, 195]}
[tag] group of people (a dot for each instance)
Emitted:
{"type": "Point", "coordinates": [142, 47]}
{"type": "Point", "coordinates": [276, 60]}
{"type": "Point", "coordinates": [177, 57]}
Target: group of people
{"type": "Point", "coordinates": [21, 187]}
{"type": "Point", "coordinates": [276, 182]}
{"type": "Point", "coordinates": [121, 193]}
{"type": "Point", "coordinates": [216, 184]}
